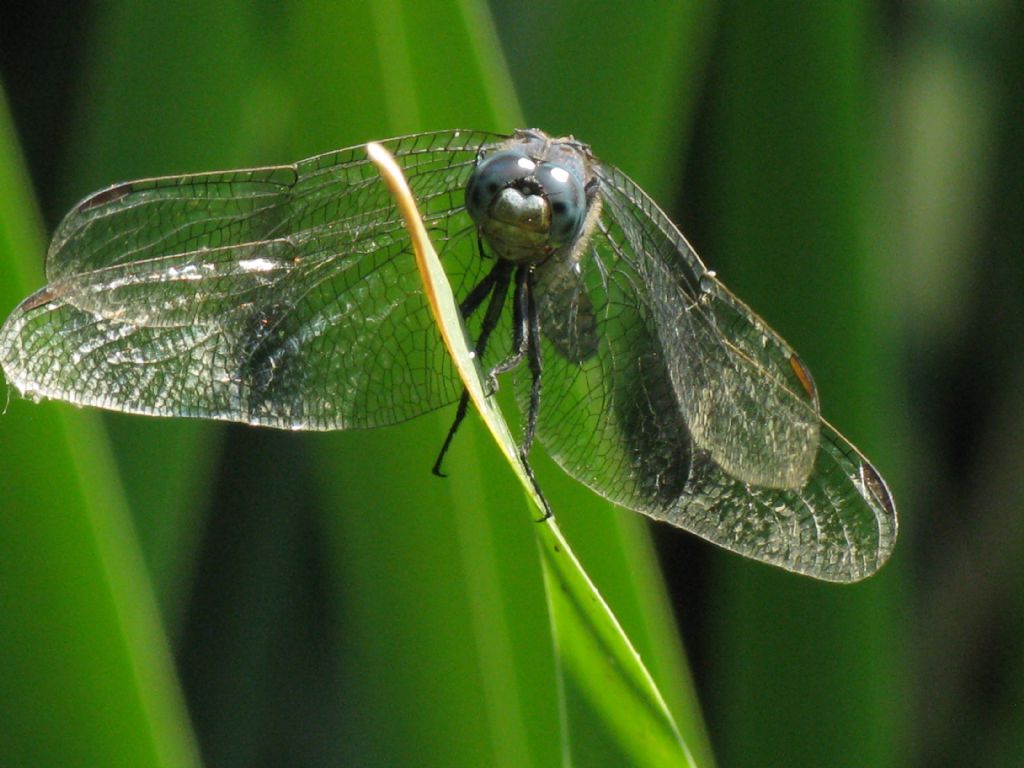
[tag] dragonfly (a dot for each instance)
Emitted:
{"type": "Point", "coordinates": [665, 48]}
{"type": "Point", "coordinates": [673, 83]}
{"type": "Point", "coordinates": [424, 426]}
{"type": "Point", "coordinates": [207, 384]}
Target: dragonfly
{"type": "Point", "coordinates": [287, 296]}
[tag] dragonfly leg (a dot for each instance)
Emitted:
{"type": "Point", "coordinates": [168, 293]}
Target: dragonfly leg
{"type": "Point", "coordinates": [496, 284]}
{"type": "Point", "coordinates": [531, 345]}
{"type": "Point", "coordinates": [520, 331]}
{"type": "Point", "coordinates": [481, 291]}
{"type": "Point", "coordinates": [502, 273]}
{"type": "Point", "coordinates": [460, 414]}
{"type": "Point", "coordinates": [536, 487]}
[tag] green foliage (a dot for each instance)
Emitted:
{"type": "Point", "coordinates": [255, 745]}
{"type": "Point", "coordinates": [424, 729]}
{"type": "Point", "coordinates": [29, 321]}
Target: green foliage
{"type": "Point", "coordinates": [592, 654]}
{"type": "Point", "coordinates": [86, 667]}
{"type": "Point", "coordinates": [791, 193]}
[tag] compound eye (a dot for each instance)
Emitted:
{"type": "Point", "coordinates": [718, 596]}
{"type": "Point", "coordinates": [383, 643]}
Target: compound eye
{"type": "Point", "coordinates": [567, 199]}
{"type": "Point", "coordinates": [491, 176]}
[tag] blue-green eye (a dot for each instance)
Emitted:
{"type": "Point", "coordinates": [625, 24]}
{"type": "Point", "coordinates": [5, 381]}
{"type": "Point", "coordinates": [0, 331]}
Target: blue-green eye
{"type": "Point", "coordinates": [525, 208]}
{"type": "Point", "coordinates": [567, 199]}
{"type": "Point", "coordinates": [490, 177]}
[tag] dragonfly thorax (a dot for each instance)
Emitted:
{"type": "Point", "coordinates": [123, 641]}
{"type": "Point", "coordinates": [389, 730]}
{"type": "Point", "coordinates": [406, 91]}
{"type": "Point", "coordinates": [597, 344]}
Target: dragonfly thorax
{"type": "Point", "coordinates": [525, 208]}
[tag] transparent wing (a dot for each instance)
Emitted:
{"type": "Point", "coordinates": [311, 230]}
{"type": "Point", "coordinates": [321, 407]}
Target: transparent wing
{"type": "Point", "coordinates": [283, 296]}
{"type": "Point", "coordinates": [738, 384]}
{"type": "Point", "coordinates": [693, 411]}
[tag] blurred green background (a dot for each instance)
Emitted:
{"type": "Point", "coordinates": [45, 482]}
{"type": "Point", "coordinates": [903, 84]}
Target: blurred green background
{"type": "Point", "coordinates": [189, 594]}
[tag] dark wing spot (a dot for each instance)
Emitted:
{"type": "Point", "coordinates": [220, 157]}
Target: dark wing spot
{"type": "Point", "coordinates": [803, 375]}
{"type": "Point", "coordinates": [40, 298]}
{"type": "Point", "coordinates": [104, 197]}
{"type": "Point", "coordinates": [875, 485]}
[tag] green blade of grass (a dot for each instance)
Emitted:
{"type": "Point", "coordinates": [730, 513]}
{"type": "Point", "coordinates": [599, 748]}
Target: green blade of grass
{"type": "Point", "coordinates": [809, 674]}
{"type": "Point", "coordinates": [87, 674]}
{"type": "Point", "coordinates": [635, 106]}
{"type": "Point", "coordinates": [590, 643]}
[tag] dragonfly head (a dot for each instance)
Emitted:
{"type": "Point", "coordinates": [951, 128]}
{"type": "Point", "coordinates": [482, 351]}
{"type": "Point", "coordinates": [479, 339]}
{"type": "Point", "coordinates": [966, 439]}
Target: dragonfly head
{"type": "Point", "coordinates": [524, 206]}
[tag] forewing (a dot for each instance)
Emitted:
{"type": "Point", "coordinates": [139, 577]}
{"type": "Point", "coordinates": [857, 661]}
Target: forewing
{"type": "Point", "coordinates": [744, 394]}
{"type": "Point", "coordinates": [282, 296]}
{"type": "Point", "coordinates": [693, 411]}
